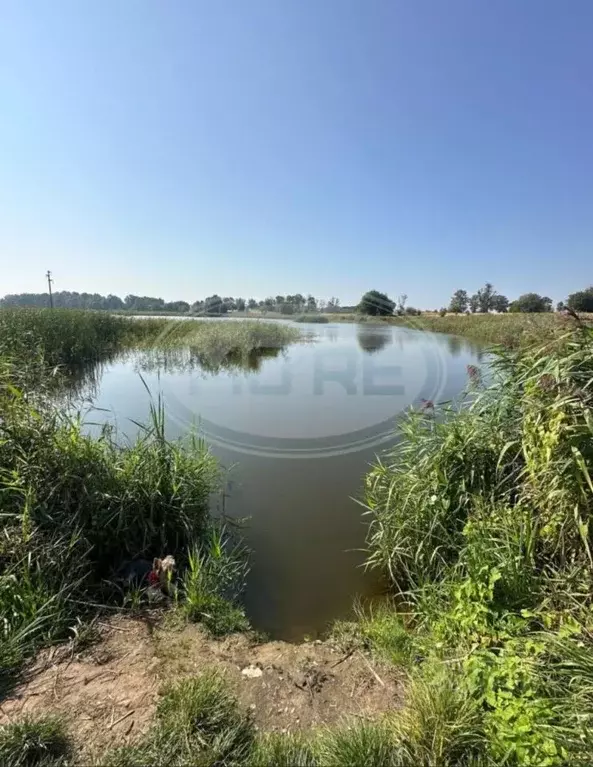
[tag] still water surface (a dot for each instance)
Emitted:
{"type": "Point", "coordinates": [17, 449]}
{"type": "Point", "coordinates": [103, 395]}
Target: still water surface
{"type": "Point", "coordinates": [296, 431]}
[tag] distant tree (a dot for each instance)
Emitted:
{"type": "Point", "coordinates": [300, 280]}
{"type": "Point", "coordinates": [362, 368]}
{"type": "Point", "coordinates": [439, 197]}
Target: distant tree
{"type": "Point", "coordinates": [376, 304]}
{"type": "Point", "coordinates": [401, 303]}
{"type": "Point", "coordinates": [230, 304]}
{"type": "Point", "coordinates": [138, 303]}
{"type": "Point", "coordinates": [560, 306]}
{"type": "Point", "coordinates": [474, 303]}
{"type": "Point", "coordinates": [299, 301]}
{"type": "Point", "coordinates": [531, 302]}
{"type": "Point", "coordinates": [113, 302]}
{"type": "Point", "coordinates": [582, 301]}
{"type": "Point", "coordinates": [269, 303]}
{"type": "Point", "coordinates": [410, 311]}
{"type": "Point", "coordinates": [459, 302]}
{"type": "Point", "coordinates": [240, 303]}
{"type": "Point", "coordinates": [286, 308]}
{"type": "Point", "coordinates": [198, 306]}
{"type": "Point", "coordinates": [442, 311]}
{"type": "Point", "coordinates": [500, 303]}
{"type": "Point", "coordinates": [215, 305]}
{"type": "Point", "coordinates": [279, 300]}
{"type": "Point", "coordinates": [485, 298]}
{"type": "Point", "coordinates": [311, 303]}
{"type": "Point", "coordinates": [333, 305]}
{"type": "Point", "coordinates": [177, 306]}
{"type": "Point", "coordinates": [252, 303]}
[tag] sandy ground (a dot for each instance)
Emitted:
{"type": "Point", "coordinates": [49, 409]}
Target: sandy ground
{"type": "Point", "coordinates": [107, 695]}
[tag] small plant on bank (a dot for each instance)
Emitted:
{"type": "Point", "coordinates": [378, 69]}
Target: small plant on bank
{"type": "Point", "coordinates": [198, 722]}
{"type": "Point", "coordinates": [212, 583]}
{"type": "Point", "coordinates": [282, 750]}
{"type": "Point", "coordinates": [34, 743]}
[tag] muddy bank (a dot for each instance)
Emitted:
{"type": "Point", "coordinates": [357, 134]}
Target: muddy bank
{"type": "Point", "coordinates": [107, 694]}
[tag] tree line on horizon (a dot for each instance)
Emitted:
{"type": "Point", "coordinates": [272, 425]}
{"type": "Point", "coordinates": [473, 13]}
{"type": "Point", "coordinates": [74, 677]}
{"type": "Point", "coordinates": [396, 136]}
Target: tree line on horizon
{"type": "Point", "coordinates": [215, 304]}
{"type": "Point", "coordinates": [486, 300]}
{"type": "Point", "coordinates": [373, 302]}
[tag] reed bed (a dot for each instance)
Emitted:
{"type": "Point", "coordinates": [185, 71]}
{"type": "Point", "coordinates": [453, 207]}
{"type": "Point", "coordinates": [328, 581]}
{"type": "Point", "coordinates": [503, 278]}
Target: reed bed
{"type": "Point", "coordinates": [481, 520]}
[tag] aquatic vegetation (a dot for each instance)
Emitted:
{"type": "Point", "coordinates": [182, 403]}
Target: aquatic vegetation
{"type": "Point", "coordinates": [481, 519]}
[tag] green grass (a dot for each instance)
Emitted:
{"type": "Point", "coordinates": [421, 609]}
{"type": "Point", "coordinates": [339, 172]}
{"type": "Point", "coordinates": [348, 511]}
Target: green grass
{"type": "Point", "coordinates": [212, 583]}
{"type": "Point", "coordinates": [34, 743]}
{"type": "Point", "coordinates": [513, 330]}
{"type": "Point", "coordinates": [198, 722]}
{"type": "Point", "coordinates": [219, 338]}
{"type": "Point", "coordinates": [282, 750]}
{"type": "Point", "coordinates": [75, 508]}
{"type": "Point", "coordinates": [480, 518]}
{"type": "Point", "coordinates": [314, 318]}
{"type": "Point", "coordinates": [69, 336]}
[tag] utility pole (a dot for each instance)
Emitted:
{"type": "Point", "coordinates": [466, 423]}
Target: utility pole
{"type": "Point", "coordinates": [49, 282]}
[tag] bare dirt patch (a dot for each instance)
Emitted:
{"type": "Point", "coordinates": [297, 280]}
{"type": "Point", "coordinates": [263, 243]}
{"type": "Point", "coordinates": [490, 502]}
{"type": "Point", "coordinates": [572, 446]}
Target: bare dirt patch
{"type": "Point", "coordinates": [108, 695]}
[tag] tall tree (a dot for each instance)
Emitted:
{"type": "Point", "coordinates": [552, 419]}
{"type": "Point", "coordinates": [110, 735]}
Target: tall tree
{"type": "Point", "coordinates": [486, 297]}
{"type": "Point", "coordinates": [532, 302]}
{"type": "Point", "coordinates": [500, 303]}
{"type": "Point", "coordinates": [298, 301]}
{"type": "Point", "coordinates": [459, 302]}
{"type": "Point", "coordinates": [582, 301]}
{"type": "Point", "coordinates": [375, 303]}
{"type": "Point", "coordinates": [215, 305]}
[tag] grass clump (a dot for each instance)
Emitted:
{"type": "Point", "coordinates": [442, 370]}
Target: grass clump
{"type": "Point", "coordinates": [199, 722]}
{"type": "Point", "coordinates": [315, 318]}
{"type": "Point", "coordinates": [212, 583]}
{"type": "Point", "coordinates": [481, 520]}
{"type": "Point", "coordinates": [219, 338]}
{"type": "Point", "coordinates": [282, 750]}
{"type": "Point", "coordinates": [76, 507]}
{"type": "Point", "coordinates": [70, 337]}
{"type": "Point", "coordinates": [34, 743]}
{"type": "Point", "coordinates": [359, 745]}
{"type": "Point", "coordinates": [511, 330]}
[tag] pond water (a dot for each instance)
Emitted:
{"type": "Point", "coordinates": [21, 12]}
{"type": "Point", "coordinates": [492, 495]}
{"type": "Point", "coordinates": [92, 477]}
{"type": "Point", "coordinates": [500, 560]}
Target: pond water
{"type": "Point", "coordinates": [297, 431]}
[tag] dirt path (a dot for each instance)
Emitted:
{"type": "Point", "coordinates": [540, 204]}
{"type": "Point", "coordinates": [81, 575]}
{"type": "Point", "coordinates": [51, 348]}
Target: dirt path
{"type": "Point", "coordinates": [108, 695]}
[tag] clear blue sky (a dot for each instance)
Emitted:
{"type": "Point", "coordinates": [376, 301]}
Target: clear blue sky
{"type": "Point", "coordinates": [254, 147]}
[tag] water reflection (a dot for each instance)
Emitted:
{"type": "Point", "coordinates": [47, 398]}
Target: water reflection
{"type": "Point", "coordinates": [190, 359]}
{"type": "Point", "coordinates": [297, 429]}
{"type": "Point", "coordinates": [373, 338]}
